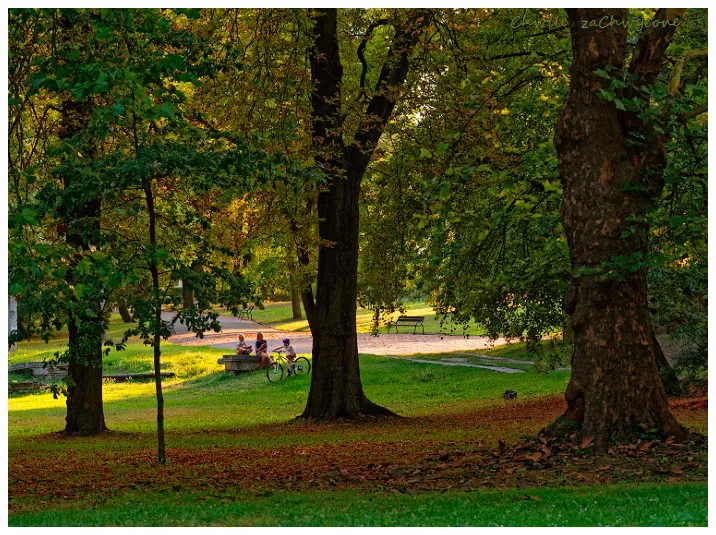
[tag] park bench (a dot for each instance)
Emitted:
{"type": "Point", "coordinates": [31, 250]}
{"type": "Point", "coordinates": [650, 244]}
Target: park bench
{"type": "Point", "coordinates": [240, 363]}
{"type": "Point", "coordinates": [248, 312]}
{"type": "Point", "coordinates": [415, 321]}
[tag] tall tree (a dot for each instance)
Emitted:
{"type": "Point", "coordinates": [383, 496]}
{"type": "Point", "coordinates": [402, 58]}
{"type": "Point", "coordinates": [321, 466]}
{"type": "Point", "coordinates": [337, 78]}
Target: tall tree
{"type": "Point", "coordinates": [85, 322]}
{"type": "Point", "coordinates": [336, 389]}
{"type": "Point", "coordinates": [611, 165]}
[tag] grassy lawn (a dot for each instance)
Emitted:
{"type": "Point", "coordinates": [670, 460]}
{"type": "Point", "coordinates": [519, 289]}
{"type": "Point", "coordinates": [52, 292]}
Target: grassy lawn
{"type": "Point", "coordinates": [237, 457]}
{"type": "Point", "coordinates": [279, 316]}
{"type": "Point", "coordinates": [626, 505]}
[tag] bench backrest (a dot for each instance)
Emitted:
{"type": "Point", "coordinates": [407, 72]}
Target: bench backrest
{"type": "Point", "coordinates": [411, 318]}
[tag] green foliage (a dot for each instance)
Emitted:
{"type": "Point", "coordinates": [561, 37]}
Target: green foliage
{"type": "Point", "coordinates": [133, 73]}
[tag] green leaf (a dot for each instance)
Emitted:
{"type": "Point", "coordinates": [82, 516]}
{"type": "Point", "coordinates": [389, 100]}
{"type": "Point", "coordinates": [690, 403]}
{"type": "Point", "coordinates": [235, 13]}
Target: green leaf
{"type": "Point", "coordinates": [192, 13]}
{"type": "Point", "coordinates": [444, 191]}
{"type": "Point", "coordinates": [172, 62]}
{"type": "Point", "coordinates": [606, 95]}
{"type": "Point", "coordinates": [29, 216]}
{"type": "Point", "coordinates": [619, 105]}
{"type": "Point", "coordinates": [676, 221]}
{"type": "Point", "coordinates": [14, 289]}
{"type": "Point", "coordinates": [425, 153]}
{"type": "Point", "coordinates": [167, 110]}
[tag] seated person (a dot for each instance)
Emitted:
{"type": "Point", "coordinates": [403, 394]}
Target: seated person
{"type": "Point", "coordinates": [262, 350]}
{"type": "Point", "coordinates": [242, 348]}
{"type": "Point", "coordinates": [290, 354]}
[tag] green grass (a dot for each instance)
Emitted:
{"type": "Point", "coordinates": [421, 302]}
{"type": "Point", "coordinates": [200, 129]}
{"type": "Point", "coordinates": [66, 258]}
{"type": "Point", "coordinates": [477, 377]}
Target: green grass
{"type": "Point", "coordinates": [518, 350]}
{"type": "Point", "coordinates": [201, 397]}
{"type": "Point", "coordinates": [208, 408]}
{"type": "Point", "coordinates": [623, 505]}
{"type": "Point", "coordinates": [279, 315]}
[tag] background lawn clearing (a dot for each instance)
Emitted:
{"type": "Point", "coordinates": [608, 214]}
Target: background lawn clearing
{"type": "Point", "coordinates": [279, 315]}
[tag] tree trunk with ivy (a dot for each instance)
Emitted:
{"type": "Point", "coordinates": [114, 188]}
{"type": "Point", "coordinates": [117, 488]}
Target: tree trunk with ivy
{"type": "Point", "coordinates": [615, 391]}
{"type": "Point", "coordinates": [336, 389]}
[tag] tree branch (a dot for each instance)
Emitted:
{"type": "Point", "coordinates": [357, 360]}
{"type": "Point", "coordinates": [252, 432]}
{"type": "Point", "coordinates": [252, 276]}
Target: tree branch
{"type": "Point", "coordinates": [327, 75]}
{"type": "Point", "coordinates": [678, 69]}
{"type": "Point", "coordinates": [392, 75]}
{"type": "Point", "coordinates": [361, 50]}
{"type": "Point", "coordinates": [650, 48]}
{"type": "Point", "coordinates": [698, 110]}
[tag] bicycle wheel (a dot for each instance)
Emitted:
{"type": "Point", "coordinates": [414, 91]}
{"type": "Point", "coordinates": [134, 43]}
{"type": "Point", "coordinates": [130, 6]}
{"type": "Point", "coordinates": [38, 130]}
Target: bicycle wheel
{"type": "Point", "coordinates": [303, 366]}
{"type": "Point", "coordinates": [274, 373]}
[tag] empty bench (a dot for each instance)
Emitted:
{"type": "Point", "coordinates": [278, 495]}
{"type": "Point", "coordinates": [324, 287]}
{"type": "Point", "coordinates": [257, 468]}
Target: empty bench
{"type": "Point", "coordinates": [247, 312]}
{"type": "Point", "coordinates": [414, 321]}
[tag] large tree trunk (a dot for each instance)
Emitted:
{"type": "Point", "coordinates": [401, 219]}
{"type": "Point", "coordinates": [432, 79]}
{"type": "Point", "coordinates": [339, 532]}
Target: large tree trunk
{"type": "Point", "coordinates": [615, 390]}
{"type": "Point", "coordinates": [85, 413]}
{"type": "Point", "coordinates": [336, 389]}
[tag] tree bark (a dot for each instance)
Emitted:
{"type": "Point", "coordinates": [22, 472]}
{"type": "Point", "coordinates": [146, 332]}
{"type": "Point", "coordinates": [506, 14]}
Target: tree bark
{"type": "Point", "coordinates": [85, 412]}
{"type": "Point", "coordinates": [295, 301]}
{"type": "Point", "coordinates": [615, 390]}
{"type": "Point", "coordinates": [187, 293]}
{"type": "Point", "coordinates": [124, 312]}
{"type": "Point", "coordinates": [336, 389]}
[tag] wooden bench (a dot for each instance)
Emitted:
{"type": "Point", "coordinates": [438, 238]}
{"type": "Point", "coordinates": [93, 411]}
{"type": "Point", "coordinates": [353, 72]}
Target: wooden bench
{"type": "Point", "coordinates": [240, 363]}
{"type": "Point", "coordinates": [415, 321]}
{"type": "Point", "coordinates": [248, 312]}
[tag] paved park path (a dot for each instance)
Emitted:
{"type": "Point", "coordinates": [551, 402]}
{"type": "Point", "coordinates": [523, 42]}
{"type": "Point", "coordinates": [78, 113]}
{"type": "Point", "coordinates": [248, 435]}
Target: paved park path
{"type": "Point", "coordinates": [387, 345]}
{"type": "Point", "coordinates": [464, 363]}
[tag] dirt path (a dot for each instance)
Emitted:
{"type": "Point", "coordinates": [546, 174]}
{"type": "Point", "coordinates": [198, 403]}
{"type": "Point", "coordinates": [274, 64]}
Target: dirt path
{"type": "Point", "coordinates": [383, 344]}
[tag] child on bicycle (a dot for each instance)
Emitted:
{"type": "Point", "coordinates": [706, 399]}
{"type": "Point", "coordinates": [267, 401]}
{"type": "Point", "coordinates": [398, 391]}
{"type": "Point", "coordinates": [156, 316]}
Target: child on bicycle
{"type": "Point", "coordinates": [290, 355]}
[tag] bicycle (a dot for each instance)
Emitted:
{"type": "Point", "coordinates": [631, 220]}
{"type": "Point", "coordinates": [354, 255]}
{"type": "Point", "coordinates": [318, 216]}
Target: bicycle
{"type": "Point", "coordinates": [274, 372]}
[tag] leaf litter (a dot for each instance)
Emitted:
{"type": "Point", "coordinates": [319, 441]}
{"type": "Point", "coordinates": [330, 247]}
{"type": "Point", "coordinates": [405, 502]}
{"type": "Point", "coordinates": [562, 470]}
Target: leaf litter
{"type": "Point", "coordinates": [385, 464]}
